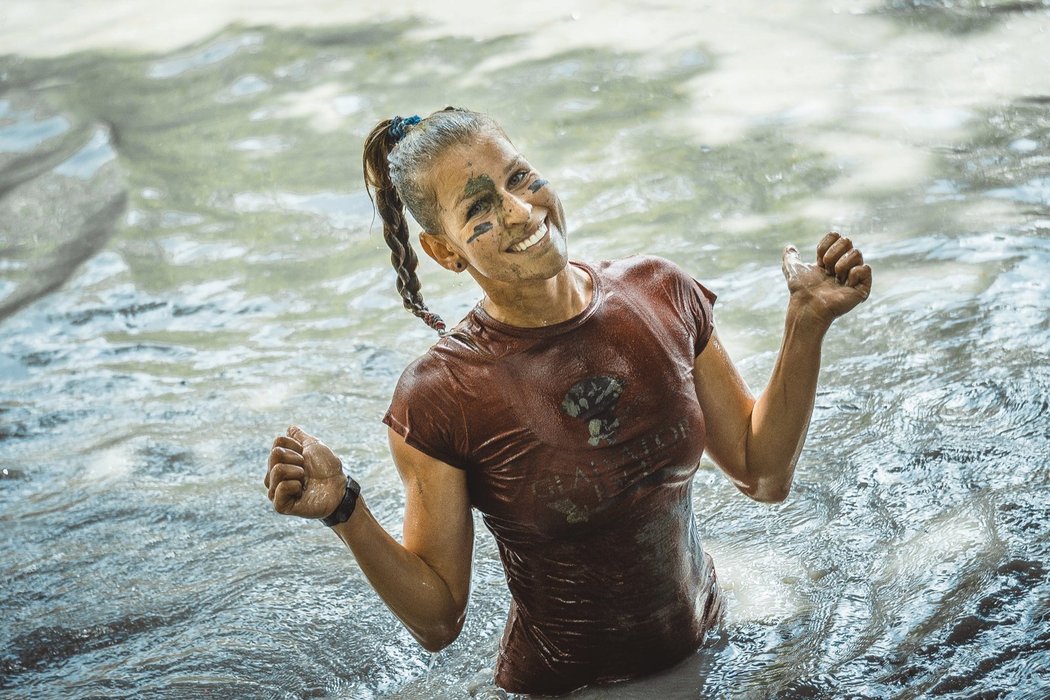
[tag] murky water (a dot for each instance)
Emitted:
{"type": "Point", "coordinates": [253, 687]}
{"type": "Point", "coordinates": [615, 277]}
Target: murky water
{"type": "Point", "coordinates": [189, 263]}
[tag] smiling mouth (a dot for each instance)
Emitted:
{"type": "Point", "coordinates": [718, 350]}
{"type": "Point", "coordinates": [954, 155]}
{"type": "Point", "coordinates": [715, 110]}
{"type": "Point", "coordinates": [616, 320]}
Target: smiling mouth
{"type": "Point", "coordinates": [534, 239]}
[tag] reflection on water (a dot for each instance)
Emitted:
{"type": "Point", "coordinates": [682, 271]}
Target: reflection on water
{"type": "Point", "coordinates": [190, 262]}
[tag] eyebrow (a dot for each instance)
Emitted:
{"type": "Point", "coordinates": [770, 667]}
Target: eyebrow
{"type": "Point", "coordinates": [514, 163]}
{"type": "Point", "coordinates": [462, 197]}
{"type": "Point", "coordinates": [518, 161]}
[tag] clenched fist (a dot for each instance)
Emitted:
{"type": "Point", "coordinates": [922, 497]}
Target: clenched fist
{"type": "Point", "coordinates": [837, 282]}
{"type": "Point", "coordinates": [303, 475]}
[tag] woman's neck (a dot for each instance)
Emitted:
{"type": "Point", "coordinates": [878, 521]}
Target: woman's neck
{"type": "Point", "coordinates": [543, 302]}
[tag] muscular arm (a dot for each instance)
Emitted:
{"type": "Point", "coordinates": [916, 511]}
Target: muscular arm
{"type": "Point", "coordinates": [425, 581]}
{"type": "Point", "coordinates": [758, 442]}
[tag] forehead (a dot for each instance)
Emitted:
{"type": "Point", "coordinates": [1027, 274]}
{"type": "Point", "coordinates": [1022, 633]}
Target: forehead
{"type": "Point", "coordinates": [488, 154]}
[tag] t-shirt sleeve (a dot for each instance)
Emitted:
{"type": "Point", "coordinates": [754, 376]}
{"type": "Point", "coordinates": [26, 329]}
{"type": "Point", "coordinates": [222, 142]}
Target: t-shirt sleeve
{"type": "Point", "coordinates": [701, 304]}
{"type": "Point", "coordinates": [695, 302]}
{"type": "Point", "coordinates": [425, 413]}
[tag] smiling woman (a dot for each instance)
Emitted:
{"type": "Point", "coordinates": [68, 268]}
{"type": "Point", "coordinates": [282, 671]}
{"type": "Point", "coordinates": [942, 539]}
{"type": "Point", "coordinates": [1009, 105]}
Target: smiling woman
{"type": "Point", "coordinates": [571, 408]}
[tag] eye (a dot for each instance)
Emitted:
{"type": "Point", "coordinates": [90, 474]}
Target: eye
{"type": "Point", "coordinates": [476, 208]}
{"type": "Point", "coordinates": [517, 178]}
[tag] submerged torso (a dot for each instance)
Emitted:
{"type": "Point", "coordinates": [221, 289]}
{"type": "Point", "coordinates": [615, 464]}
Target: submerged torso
{"type": "Point", "coordinates": [580, 441]}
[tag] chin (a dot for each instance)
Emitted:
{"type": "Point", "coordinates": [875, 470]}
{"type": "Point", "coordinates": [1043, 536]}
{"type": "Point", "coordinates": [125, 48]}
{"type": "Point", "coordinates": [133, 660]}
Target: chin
{"type": "Point", "coordinates": [559, 258]}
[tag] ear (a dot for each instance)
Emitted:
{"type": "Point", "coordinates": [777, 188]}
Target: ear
{"type": "Point", "coordinates": [437, 247]}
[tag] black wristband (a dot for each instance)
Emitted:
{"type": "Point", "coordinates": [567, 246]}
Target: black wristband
{"type": "Point", "coordinates": [345, 508]}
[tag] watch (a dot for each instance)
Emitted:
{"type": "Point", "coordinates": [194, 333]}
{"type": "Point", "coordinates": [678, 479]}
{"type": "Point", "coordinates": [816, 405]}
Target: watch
{"type": "Point", "coordinates": [345, 509]}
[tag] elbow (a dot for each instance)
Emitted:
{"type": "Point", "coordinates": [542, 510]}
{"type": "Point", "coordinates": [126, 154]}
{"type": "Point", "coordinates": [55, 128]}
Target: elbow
{"type": "Point", "coordinates": [767, 482]}
{"type": "Point", "coordinates": [439, 636]}
{"type": "Point", "coordinates": [777, 494]}
{"type": "Point", "coordinates": [767, 490]}
{"type": "Point", "coordinates": [436, 642]}
{"type": "Point", "coordinates": [435, 645]}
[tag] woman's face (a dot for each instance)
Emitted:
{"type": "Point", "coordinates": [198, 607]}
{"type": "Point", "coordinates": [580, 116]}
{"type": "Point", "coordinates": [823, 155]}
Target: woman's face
{"type": "Point", "coordinates": [497, 214]}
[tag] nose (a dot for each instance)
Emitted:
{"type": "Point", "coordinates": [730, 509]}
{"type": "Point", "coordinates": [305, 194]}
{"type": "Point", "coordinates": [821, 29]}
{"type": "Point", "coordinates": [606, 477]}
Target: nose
{"type": "Point", "coordinates": [516, 211]}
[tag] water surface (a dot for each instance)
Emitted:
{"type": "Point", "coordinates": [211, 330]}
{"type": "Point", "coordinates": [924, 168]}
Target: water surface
{"type": "Point", "coordinates": [189, 263]}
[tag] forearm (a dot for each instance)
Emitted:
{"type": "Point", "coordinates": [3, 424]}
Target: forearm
{"type": "Point", "coordinates": [411, 588]}
{"type": "Point", "coordinates": [780, 417]}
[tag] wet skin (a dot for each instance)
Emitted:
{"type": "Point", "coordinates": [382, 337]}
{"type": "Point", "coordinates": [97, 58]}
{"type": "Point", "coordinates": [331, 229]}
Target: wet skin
{"type": "Point", "coordinates": [489, 200]}
{"type": "Point", "coordinates": [479, 230]}
{"type": "Point", "coordinates": [482, 190]}
{"type": "Point", "coordinates": [482, 187]}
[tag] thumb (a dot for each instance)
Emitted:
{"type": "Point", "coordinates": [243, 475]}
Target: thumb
{"type": "Point", "coordinates": [303, 437]}
{"type": "Point", "coordinates": [791, 262]}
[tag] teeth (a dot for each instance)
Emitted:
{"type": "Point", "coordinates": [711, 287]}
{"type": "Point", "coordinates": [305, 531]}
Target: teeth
{"type": "Point", "coordinates": [531, 240]}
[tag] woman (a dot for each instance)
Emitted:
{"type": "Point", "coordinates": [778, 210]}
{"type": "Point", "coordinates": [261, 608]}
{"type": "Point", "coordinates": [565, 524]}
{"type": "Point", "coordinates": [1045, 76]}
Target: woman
{"type": "Point", "coordinates": [571, 407]}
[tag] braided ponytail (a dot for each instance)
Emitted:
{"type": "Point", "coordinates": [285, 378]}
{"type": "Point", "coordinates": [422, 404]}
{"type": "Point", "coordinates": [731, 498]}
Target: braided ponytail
{"type": "Point", "coordinates": [395, 157]}
{"type": "Point", "coordinates": [391, 210]}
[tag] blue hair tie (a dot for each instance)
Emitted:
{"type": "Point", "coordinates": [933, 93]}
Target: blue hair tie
{"type": "Point", "coordinates": [398, 125]}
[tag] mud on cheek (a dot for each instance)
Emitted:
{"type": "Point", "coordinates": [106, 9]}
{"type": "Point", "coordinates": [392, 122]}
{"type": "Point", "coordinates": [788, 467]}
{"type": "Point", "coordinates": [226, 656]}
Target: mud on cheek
{"type": "Point", "coordinates": [479, 230]}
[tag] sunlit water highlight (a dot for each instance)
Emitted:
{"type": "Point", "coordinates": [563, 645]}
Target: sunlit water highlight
{"type": "Point", "coordinates": [189, 262]}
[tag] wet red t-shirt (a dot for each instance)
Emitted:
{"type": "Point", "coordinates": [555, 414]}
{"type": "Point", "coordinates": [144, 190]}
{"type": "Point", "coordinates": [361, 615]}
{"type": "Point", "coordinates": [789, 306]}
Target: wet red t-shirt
{"type": "Point", "coordinates": [580, 441]}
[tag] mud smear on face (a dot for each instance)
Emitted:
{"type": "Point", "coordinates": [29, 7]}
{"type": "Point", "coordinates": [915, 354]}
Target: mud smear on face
{"type": "Point", "coordinates": [484, 189]}
{"type": "Point", "coordinates": [481, 185]}
{"type": "Point", "coordinates": [479, 230]}
{"type": "Point", "coordinates": [535, 187]}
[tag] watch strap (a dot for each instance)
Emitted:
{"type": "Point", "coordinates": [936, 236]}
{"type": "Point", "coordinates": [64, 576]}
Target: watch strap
{"type": "Point", "coordinates": [346, 506]}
